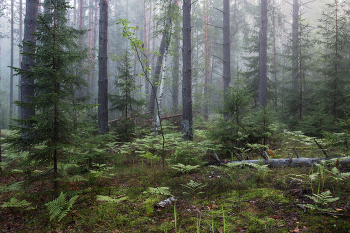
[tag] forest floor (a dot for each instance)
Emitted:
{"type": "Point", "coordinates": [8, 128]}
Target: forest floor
{"type": "Point", "coordinates": [117, 196]}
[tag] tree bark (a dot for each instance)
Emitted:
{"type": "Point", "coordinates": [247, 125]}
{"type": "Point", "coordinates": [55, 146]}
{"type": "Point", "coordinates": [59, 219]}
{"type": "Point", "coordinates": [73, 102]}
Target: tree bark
{"type": "Point", "coordinates": [145, 45]}
{"type": "Point", "coordinates": [187, 123]}
{"type": "Point", "coordinates": [93, 57]}
{"type": "Point", "coordinates": [27, 84]}
{"type": "Point", "coordinates": [161, 92]}
{"type": "Point", "coordinates": [295, 46]}
{"type": "Point", "coordinates": [102, 76]}
{"type": "Point", "coordinates": [164, 44]}
{"type": "Point", "coordinates": [11, 71]}
{"type": "Point", "coordinates": [263, 55]}
{"type": "Point", "coordinates": [20, 51]}
{"type": "Point", "coordinates": [226, 46]}
{"type": "Point", "coordinates": [81, 14]}
{"type": "Point", "coordinates": [206, 57]}
{"type": "Point", "coordinates": [175, 93]}
{"type": "Point", "coordinates": [90, 40]}
{"type": "Point", "coordinates": [274, 51]}
{"type": "Point", "coordinates": [296, 76]}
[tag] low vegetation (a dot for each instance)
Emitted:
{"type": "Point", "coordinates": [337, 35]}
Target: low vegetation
{"type": "Point", "coordinates": [117, 187]}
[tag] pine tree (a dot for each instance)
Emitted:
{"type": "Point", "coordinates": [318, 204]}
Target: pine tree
{"type": "Point", "coordinates": [187, 122]}
{"type": "Point", "coordinates": [49, 133]}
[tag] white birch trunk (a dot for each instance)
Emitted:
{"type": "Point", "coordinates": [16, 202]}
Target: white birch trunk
{"type": "Point", "coordinates": [161, 92]}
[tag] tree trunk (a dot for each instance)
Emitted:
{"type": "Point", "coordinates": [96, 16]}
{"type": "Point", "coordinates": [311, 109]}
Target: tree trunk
{"type": "Point", "coordinates": [102, 74]}
{"type": "Point", "coordinates": [161, 92]}
{"type": "Point", "coordinates": [187, 123]}
{"type": "Point", "coordinates": [27, 84]}
{"type": "Point", "coordinates": [20, 52]}
{"type": "Point", "coordinates": [175, 94]}
{"type": "Point", "coordinates": [93, 57]}
{"type": "Point", "coordinates": [226, 46]}
{"type": "Point", "coordinates": [263, 55]}
{"type": "Point", "coordinates": [90, 40]}
{"type": "Point", "coordinates": [206, 57]}
{"type": "Point", "coordinates": [295, 61]}
{"type": "Point", "coordinates": [164, 44]}
{"type": "Point", "coordinates": [75, 14]}
{"type": "Point", "coordinates": [274, 51]}
{"type": "Point", "coordinates": [295, 45]}
{"type": "Point", "coordinates": [81, 14]}
{"type": "Point", "coordinates": [145, 45]}
{"type": "Point", "coordinates": [11, 70]}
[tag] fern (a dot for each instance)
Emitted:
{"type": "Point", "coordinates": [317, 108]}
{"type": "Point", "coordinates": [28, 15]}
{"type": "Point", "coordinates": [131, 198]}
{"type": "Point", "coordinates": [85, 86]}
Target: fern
{"type": "Point", "coordinates": [159, 191]}
{"type": "Point", "coordinates": [338, 176]}
{"type": "Point", "coordinates": [321, 200]}
{"type": "Point", "coordinates": [185, 168]}
{"type": "Point", "coordinates": [193, 187]}
{"type": "Point", "coordinates": [60, 207]}
{"type": "Point", "coordinates": [110, 199]}
{"type": "Point", "coordinates": [16, 186]}
{"type": "Point", "coordinates": [15, 203]}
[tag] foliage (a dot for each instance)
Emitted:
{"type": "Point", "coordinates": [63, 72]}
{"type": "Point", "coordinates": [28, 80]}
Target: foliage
{"type": "Point", "coordinates": [255, 128]}
{"type": "Point", "coordinates": [316, 123]}
{"type": "Point", "coordinates": [341, 139]}
{"type": "Point", "coordinates": [15, 203]}
{"type": "Point", "coordinates": [159, 191]}
{"type": "Point", "coordinates": [193, 187]}
{"type": "Point", "coordinates": [123, 100]}
{"type": "Point", "coordinates": [324, 176]}
{"type": "Point", "coordinates": [49, 133]}
{"type": "Point", "coordinates": [322, 200]}
{"type": "Point", "coordinates": [110, 199]}
{"type": "Point", "coordinates": [334, 31]}
{"type": "Point", "coordinates": [59, 207]}
{"type": "Point", "coordinates": [184, 168]}
{"type": "Point", "coordinates": [186, 154]}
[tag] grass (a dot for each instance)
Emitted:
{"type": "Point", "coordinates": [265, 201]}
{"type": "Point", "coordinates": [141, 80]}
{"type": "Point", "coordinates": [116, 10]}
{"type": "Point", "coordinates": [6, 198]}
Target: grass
{"type": "Point", "coordinates": [228, 200]}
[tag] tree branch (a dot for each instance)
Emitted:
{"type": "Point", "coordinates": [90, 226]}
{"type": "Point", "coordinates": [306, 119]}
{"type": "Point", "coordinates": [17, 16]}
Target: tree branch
{"type": "Point", "coordinates": [218, 9]}
{"type": "Point", "coordinates": [213, 25]}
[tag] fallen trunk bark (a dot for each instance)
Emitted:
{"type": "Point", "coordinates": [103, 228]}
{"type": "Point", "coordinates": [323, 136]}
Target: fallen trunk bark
{"type": "Point", "coordinates": [298, 162]}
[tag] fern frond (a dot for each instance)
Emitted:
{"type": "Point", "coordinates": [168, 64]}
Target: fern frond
{"type": "Point", "coordinates": [110, 199]}
{"type": "Point", "coordinates": [321, 200]}
{"type": "Point", "coordinates": [76, 178]}
{"type": "Point", "coordinates": [193, 185]}
{"type": "Point", "coordinates": [14, 202]}
{"type": "Point", "coordinates": [185, 168]}
{"type": "Point", "coordinates": [160, 190]}
{"type": "Point", "coordinates": [59, 207]}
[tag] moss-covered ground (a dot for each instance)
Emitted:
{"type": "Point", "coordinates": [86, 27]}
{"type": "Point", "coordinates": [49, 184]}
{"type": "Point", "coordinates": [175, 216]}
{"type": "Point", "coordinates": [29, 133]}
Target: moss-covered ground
{"type": "Point", "coordinates": [222, 199]}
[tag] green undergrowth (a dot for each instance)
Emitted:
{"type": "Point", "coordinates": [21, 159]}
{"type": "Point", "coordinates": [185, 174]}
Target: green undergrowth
{"type": "Point", "coordinates": [115, 187]}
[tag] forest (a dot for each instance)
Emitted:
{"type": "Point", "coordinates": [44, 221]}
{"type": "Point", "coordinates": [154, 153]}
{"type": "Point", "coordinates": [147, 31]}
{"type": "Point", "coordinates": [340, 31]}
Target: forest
{"type": "Point", "coordinates": [174, 116]}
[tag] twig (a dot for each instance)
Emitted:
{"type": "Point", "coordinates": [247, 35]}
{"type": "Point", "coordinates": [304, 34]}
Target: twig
{"type": "Point", "coordinates": [323, 150]}
{"type": "Point", "coordinates": [216, 156]}
{"type": "Point", "coordinates": [296, 153]}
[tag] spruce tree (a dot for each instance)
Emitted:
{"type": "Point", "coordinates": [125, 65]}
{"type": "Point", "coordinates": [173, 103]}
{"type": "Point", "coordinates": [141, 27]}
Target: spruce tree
{"type": "Point", "coordinates": [48, 134]}
{"type": "Point", "coordinates": [300, 52]}
{"type": "Point", "coordinates": [123, 100]}
{"type": "Point", "coordinates": [334, 31]}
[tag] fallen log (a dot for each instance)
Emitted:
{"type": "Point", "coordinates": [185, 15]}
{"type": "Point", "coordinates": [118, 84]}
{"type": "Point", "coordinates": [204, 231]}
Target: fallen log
{"type": "Point", "coordinates": [298, 162]}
